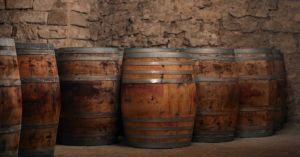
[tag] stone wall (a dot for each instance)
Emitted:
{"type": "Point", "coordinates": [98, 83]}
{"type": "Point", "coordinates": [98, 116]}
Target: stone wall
{"type": "Point", "coordinates": [162, 23]}
{"type": "Point", "coordinates": [208, 23]}
{"type": "Point", "coordinates": [61, 22]}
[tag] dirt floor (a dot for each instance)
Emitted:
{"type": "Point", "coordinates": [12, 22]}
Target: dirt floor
{"type": "Point", "coordinates": [286, 143]}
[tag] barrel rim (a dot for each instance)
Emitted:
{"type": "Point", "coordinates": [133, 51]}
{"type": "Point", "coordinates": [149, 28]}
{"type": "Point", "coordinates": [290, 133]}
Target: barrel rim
{"type": "Point", "coordinates": [149, 50]}
{"type": "Point", "coordinates": [252, 50]}
{"type": "Point", "coordinates": [7, 42]}
{"type": "Point", "coordinates": [88, 50]}
{"type": "Point", "coordinates": [209, 50]}
{"type": "Point", "coordinates": [33, 46]}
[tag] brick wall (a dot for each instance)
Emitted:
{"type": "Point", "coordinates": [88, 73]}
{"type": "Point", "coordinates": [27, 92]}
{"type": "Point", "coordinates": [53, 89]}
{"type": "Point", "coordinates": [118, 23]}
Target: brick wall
{"type": "Point", "coordinates": [162, 23]}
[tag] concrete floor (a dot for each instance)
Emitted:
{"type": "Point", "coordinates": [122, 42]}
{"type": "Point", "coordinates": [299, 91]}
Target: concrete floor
{"type": "Point", "coordinates": [286, 143]}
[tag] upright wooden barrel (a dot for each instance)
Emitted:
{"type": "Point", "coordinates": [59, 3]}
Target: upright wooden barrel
{"type": "Point", "coordinates": [257, 88]}
{"type": "Point", "coordinates": [217, 94]}
{"type": "Point", "coordinates": [41, 99]}
{"type": "Point", "coordinates": [90, 87]}
{"type": "Point", "coordinates": [280, 76]}
{"type": "Point", "coordinates": [10, 99]}
{"type": "Point", "coordinates": [158, 98]}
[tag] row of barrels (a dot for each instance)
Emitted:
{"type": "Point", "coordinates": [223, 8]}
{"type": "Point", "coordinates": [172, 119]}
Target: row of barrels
{"type": "Point", "coordinates": [168, 96]}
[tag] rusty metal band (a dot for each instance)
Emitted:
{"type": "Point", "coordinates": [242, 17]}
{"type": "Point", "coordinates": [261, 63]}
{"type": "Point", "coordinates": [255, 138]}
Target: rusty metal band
{"type": "Point", "coordinates": [206, 58]}
{"type": "Point", "coordinates": [90, 115]}
{"type": "Point", "coordinates": [278, 57]}
{"type": "Point", "coordinates": [89, 78]}
{"type": "Point", "coordinates": [87, 58]}
{"type": "Point", "coordinates": [159, 136]}
{"type": "Point", "coordinates": [39, 79]}
{"type": "Point", "coordinates": [82, 50]}
{"type": "Point", "coordinates": [159, 144]}
{"type": "Point", "coordinates": [37, 153]}
{"type": "Point", "coordinates": [96, 140]}
{"type": "Point", "coordinates": [7, 42]}
{"type": "Point", "coordinates": [154, 120]}
{"type": "Point", "coordinates": [169, 72]}
{"type": "Point", "coordinates": [95, 135]}
{"type": "Point", "coordinates": [224, 113]}
{"type": "Point", "coordinates": [35, 52]}
{"type": "Point", "coordinates": [157, 55]}
{"type": "Point", "coordinates": [161, 128]}
{"type": "Point", "coordinates": [158, 80]}
{"type": "Point", "coordinates": [8, 53]}
{"type": "Point", "coordinates": [256, 109]}
{"type": "Point", "coordinates": [39, 126]}
{"type": "Point", "coordinates": [257, 77]}
{"type": "Point", "coordinates": [10, 82]}
{"type": "Point", "coordinates": [34, 46]}
{"type": "Point", "coordinates": [210, 132]}
{"type": "Point", "coordinates": [10, 48]}
{"type": "Point", "coordinates": [280, 78]}
{"type": "Point", "coordinates": [209, 50]}
{"type": "Point", "coordinates": [242, 59]}
{"type": "Point", "coordinates": [214, 79]}
{"type": "Point", "coordinates": [254, 133]}
{"type": "Point", "coordinates": [267, 77]}
{"type": "Point", "coordinates": [10, 129]}
{"type": "Point", "coordinates": [214, 138]}
{"type": "Point", "coordinates": [159, 63]}
{"type": "Point", "coordinates": [251, 51]}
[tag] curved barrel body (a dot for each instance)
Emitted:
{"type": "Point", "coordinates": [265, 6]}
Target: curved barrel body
{"type": "Point", "coordinates": [89, 83]}
{"type": "Point", "coordinates": [280, 76]}
{"type": "Point", "coordinates": [158, 98]}
{"type": "Point", "coordinates": [10, 99]}
{"type": "Point", "coordinates": [41, 99]}
{"type": "Point", "coordinates": [257, 88]}
{"type": "Point", "coordinates": [217, 94]}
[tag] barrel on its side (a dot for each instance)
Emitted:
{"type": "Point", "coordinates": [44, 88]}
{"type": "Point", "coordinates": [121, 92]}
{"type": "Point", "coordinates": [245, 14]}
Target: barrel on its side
{"type": "Point", "coordinates": [257, 88]}
{"type": "Point", "coordinates": [280, 76]}
{"type": "Point", "coordinates": [90, 87]}
{"type": "Point", "coordinates": [217, 94]}
{"type": "Point", "coordinates": [10, 99]}
{"type": "Point", "coordinates": [158, 98]}
{"type": "Point", "coordinates": [41, 99]}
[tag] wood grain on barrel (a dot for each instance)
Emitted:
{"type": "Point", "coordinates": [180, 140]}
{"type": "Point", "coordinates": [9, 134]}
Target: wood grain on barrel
{"type": "Point", "coordinates": [10, 99]}
{"type": "Point", "coordinates": [41, 99]}
{"type": "Point", "coordinates": [158, 104]}
{"type": "Point", "coordinates": [217, 94]}
{"type": "Point", "coordinates": [89, 84]}
{"type": "Point", "coordinates": [257, 92]}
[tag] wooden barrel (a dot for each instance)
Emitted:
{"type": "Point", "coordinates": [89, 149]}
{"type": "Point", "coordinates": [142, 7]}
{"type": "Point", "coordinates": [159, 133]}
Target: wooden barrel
{"type": "Point", "coordinates": [10, 99]}
{"type": "Point", "coordinates": [41, 99]}
{"type": "Point", "coordinates": [90, 88]}
{"type": "Point", "coordinates": [217, 94]}
{"type": "Point", "coordinates": [158, 98]}
{"type": "Point", "coordinates": [257, 88]}
{"type": "Point", "coordinates": [280, 76]}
